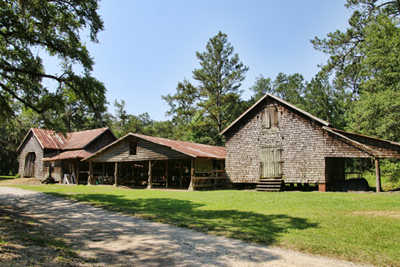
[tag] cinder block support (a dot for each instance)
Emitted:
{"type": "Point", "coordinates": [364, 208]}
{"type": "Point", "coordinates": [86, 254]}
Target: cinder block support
{"type": "Point", "coordinates": [322, 187]}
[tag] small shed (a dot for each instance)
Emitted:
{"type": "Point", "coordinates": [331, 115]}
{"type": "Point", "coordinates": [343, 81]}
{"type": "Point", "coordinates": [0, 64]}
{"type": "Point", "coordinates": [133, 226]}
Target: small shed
{"type": "Point", "coordinates": [274, 143]}
{"type": "Point", "coordinates": [147, 161]}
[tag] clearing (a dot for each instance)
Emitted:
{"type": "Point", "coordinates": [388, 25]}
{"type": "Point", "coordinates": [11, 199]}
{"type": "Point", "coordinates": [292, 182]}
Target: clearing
{"type": "Point", "coordinates": [102, 237]}
{"type": "Point", "coordinates": [340, 225]}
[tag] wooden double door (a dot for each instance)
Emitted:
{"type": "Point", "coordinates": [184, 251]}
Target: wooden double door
{"type": "Point", "coordinates": [271, 162]}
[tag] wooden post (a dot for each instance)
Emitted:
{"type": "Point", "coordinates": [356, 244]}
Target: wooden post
{"type": "Point", "coordinates": [166, 174]}
{"type": "Point", "coordinates": [103, 169]}
{"type": "Point", "coordinates": [378, 176]}
{"type": "Point", "coordinates": [149, 181]}
{"type": "Point", "coordinates": [90, 178]}
{"type": "Point", "coordinates": [77, 173]}
{"type": "Point", "coordinates": [116, 174]}
{"type": "Point", "coordinates": [180, 174]}
{"type": "Point", "coordinates": [191, 175]}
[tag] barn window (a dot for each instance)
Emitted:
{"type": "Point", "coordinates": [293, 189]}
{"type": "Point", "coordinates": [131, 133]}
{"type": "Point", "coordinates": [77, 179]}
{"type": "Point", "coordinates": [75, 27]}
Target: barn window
{"type": "Point", "coordinates": [132, 148]}
{"type": "Point", "coordinates": [271, 117]}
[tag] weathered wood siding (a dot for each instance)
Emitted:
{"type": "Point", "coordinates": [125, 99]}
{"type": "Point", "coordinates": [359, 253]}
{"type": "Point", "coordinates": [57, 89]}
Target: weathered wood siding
{"type": "Point", "coordinates": [31, 145]}
{"type": "Point", "coordinates": [104, 139]}
{"type": "Point", "coordinates": [145, 151]}
{"type": "Point", "coordinates": [303, 143]}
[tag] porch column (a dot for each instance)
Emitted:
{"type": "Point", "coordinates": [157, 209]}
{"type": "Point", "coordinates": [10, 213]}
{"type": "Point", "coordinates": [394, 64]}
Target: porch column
{"type": "Point", "coordinates": [90, 178]}
{"type": "Point", "coordinates": [149, 181]}
{"type": "Point", "coordinates": [378, 176]}
{"type": "Point", "coordinates": [191, 174]}
{"type": "Point", "coordinates": [116, 174]}
{"type": "Point", "coordinates": [166, 174]}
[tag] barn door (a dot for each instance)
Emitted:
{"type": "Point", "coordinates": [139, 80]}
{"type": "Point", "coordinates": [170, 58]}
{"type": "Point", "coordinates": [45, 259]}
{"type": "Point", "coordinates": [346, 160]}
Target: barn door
{"type": "Point", "coordinates": [29, 170]}
{"type": "Point", "coordinates": [270, 162]}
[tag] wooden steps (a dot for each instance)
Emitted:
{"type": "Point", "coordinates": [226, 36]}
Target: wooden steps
{"type": "Point", "coordinates": [269, 184]}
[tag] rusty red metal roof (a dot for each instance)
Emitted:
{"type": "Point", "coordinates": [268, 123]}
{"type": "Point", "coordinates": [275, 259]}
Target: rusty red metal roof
{"type": "Point", "coordinates": [49, 139]}
{"type": "Point", "coordinates": [71, 154]}
{"type": "Point", "coordinates": [194, 150]}
{"type": "Point", "coordinates": [77, 140]}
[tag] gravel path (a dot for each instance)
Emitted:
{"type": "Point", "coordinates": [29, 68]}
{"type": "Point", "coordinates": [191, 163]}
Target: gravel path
{"type": "Point", "coordinates": [120, 240]}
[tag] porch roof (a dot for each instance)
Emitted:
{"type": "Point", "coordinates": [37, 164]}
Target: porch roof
{"type": "Point", "coordinates": [190, 149]}
{"type": "Point", "coordinates": [375, 147]}
{"type": "Point", "coordinates": [71, 154]}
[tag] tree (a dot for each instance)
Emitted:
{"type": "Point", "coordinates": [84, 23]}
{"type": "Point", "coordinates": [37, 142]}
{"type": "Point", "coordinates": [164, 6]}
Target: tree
{"type": "Point", "coordinates": [28, 30]}
{"type": "Point", "coordinates": [352, 49]}
{"type": "Point", "coordinates": [216, 95]}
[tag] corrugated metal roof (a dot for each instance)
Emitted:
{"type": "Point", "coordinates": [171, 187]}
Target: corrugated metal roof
{"type": "Point", "coordinates": [50, 139]}
{"type": "Point", "coordinates": [188, 148]}
{"type": "Point", "coordinates": [72, 154]}
{"type": "Point", "coordinates": [77, 140]}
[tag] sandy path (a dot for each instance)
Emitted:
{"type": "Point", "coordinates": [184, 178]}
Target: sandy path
{"type": "Point", "coordinates": [120, 240]}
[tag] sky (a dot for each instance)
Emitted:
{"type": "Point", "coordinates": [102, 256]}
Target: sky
{"type": "Point", "coordinates": [147, 47]}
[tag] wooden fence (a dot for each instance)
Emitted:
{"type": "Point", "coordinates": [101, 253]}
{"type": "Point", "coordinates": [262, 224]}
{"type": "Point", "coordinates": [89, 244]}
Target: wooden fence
{"type": "Point", "coordinates": [215, 179]}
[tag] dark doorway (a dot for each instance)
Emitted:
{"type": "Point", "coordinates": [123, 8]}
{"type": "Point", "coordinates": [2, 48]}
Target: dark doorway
{"type": "Point", "coordinates": [29, 170]}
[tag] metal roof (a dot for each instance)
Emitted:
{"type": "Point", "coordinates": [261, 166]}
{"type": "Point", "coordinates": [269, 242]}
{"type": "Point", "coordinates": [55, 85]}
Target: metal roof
{"type": "Point", "coordinates": [283, 102]}
{"type": "Point", "coordinates": [71, 154]}
{"type": "Point", "coordinates": [49, 139]}
{"type": "Point", "coordinates": [194, 150]}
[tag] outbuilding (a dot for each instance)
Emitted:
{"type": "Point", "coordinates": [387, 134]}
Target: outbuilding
{"type": "Point", "coordinates": [146, 161]}
{"type": "Point", "coordinates": [275, 143]}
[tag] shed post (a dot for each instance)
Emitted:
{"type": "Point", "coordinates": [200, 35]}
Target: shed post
{"type": "Point", "coordinates": [77, 173]}
{"type": "Point", "coordinates": [116, 174]}
{"type": "Point", "coordinates": [90, 179]}
{"type": "Point", "coordinates": [166, 174]}
{"type": "Point", "coordinates": [378, 175]}
{"type": "Point", "coordinates": [191, 174]}
{"type": "Point", "coordinates": [149, 181]}
{"type": "Point", "coordinates": [180, 174]}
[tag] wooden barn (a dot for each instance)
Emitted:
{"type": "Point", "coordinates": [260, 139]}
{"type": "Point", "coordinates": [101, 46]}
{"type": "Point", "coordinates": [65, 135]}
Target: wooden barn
{"type": "Point", "coordinates": [45, 153]}
{"type": "Point", "coordinates": [147, 161]}
{"type": "Point", "coordinates": [275, 143]}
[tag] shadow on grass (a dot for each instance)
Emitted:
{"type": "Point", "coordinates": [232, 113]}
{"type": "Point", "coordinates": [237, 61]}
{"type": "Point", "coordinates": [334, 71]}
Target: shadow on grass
{"type": "Point", "coordinates": [243, 225]}
{"type": "Point", "coordinates": [111, 238]}
{"type": "Point", "coordinates": [24, 241]}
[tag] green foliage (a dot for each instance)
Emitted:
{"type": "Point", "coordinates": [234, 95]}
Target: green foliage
{"type": "Point", "coordinates": [51, 27]}
{"type": "Point", "coordinates": [201, 111]}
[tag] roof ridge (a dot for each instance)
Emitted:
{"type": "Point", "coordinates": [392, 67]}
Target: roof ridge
{"type": "Point", "coordinates": [180, 141]}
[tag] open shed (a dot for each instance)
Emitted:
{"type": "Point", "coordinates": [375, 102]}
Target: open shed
{"type": "Point", "coordinates": [147, 161]}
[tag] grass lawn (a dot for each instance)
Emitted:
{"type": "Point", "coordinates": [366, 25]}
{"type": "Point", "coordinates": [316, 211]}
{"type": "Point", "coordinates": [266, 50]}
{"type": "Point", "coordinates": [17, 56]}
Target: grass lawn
{"type": "Point", "coordinates": [362, 227]}
{"type": "Point", "coordinates": [5, 177]}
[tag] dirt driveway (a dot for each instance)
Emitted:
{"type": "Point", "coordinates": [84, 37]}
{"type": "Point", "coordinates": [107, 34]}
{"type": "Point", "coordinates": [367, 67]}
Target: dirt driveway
{"type": "Point", "coordinates": [115, 239]}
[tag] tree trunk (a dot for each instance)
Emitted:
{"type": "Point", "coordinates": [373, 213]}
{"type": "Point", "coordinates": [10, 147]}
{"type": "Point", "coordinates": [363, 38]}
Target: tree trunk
{"type": "Point", "coordinates": [378, 175]}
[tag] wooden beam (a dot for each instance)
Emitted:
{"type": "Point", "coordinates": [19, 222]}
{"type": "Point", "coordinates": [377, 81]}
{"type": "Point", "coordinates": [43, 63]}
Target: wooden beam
{"type": "Point", "coordinates": [149, 181]}
{"type": "Point", "coordinates": [166, 174]}
{"type": "Point", "coordinates": [378, 176]}
{"type": "Point", "coordinates": [192, 167]}
{"type": "Point", "coordinates": [90, 178]}
{"type": "Point", "coordinates": [116, 174]}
